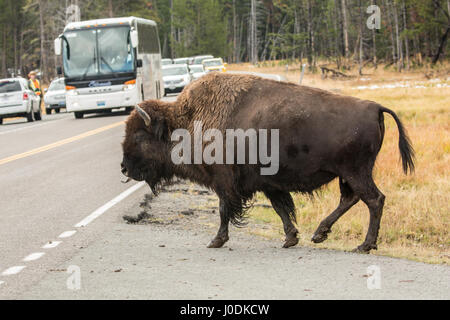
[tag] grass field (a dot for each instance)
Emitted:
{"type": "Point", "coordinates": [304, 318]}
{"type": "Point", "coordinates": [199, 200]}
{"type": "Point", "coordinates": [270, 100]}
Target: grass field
{"type": "Point", "coordinates": [416, 217]}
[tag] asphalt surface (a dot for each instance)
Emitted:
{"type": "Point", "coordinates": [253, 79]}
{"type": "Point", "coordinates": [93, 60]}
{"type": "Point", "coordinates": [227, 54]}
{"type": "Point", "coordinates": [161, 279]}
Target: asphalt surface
{"type": "Point", "coordinates": [57, 172]}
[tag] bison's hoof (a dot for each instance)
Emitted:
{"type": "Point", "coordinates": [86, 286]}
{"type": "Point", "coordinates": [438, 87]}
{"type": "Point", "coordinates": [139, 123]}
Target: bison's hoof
{"type": "Point", "coordinates": [365, 248]}
{"type": "Point", "coordinates": [320, 235]}
{"type": "Point", "coordinates": [217, 243]}
{"type": "Point", "coordinates": [290, 242]}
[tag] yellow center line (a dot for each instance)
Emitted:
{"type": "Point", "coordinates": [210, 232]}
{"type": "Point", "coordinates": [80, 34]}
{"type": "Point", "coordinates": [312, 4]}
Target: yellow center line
{"type": "Point", "coordinates": [59, 143]}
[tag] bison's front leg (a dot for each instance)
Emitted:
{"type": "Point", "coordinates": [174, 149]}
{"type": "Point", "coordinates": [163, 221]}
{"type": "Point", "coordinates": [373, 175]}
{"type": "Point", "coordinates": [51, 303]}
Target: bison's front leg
{"type": "Point", "coordinates": [284, 205]}
{"type": "Point", "coordinates": [222, 234]}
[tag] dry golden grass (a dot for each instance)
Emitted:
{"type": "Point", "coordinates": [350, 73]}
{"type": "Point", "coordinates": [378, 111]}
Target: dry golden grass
{"type": "Point", "coordinates": [416, 217]}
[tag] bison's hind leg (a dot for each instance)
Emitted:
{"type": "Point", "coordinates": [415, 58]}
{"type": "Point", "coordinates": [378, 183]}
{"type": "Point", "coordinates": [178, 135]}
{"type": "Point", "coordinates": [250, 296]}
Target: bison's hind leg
{"type": "Point", "coordinates": [363, 185]}
{"type": "Point", "coordinates": [374, 200]}
{"type": "Point", "coordinates": [348, 200]}
{"type": "Point", "coordinates": [284, 206]}
{"type": "Point", "coordinates": [222, 235]}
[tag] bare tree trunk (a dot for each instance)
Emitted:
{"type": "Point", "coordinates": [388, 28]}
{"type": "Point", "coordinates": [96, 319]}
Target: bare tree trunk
{"type": "Point", "coordinates": [405, 27]}
{"type": "Point", "coordinates": [336, 40]}
{"type": "Point", "coordinates": [241, 32]}
{"type": "Point", "coordinates": [235, 40]}
{"type": "Point", "coordinates": [110, 9]}
{"type": "Point", "coordinates": [394, 57]}
{"type": "Point", "coordinates": [361, 38]}
{"type": "Point", "coordinates": [296, 31]}
{"type": "Point", "coordinates": [172, 35]}
{"type": "Point", "coordinates": [15, 51]}
{"type": "Point", "coordinates": [43, 64]}
{"type": "Point", "coordinates": [21, 51]}
{"type": "Point", "coordinates": [310, 35]}
{"type": "Point", "coordinates": [345, 26]}
{"type": "Point", "coordinates": [374, 46]}
{"type": "Point", "coordinates": [4, 75]}
{"type": "Point", "coordinates": [397, 37]}
{"type": "Point", "coordinates": [253, 35]}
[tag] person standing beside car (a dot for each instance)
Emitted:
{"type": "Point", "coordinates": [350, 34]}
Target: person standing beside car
{"type": "Point", "coordinates": [35, 85]}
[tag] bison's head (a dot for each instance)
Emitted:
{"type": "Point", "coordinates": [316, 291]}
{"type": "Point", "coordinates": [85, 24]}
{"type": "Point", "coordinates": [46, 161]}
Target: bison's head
{"type": "Point", "coordinates": [146, 154]}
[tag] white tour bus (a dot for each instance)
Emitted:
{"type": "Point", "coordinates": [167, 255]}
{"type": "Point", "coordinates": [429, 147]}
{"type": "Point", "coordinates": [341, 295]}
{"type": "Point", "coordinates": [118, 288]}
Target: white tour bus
{"type": "Point", "coordinates": [110, 64]}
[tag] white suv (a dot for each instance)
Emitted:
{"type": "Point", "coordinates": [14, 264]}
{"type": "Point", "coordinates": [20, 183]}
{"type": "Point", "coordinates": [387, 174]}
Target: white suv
{"type": "Point", "coordinates": [17, 100]}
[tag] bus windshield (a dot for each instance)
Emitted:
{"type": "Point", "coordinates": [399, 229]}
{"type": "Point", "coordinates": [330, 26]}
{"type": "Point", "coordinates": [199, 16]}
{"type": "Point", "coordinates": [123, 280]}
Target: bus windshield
{"type": "Point", "coordinates": [94, 52]}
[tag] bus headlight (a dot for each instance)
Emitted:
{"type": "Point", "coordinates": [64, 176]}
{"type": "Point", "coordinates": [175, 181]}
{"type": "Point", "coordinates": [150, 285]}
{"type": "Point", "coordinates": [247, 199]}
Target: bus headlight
{"type": "Point", "coordinates": [128, 87]}
{"type": "Point", "coordinates": [72, 92]}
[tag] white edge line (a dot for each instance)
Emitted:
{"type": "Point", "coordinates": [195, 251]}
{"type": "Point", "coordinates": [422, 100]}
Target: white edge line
{"type": "Point", "coordinates": [97, 213]}
{"type": "Point", "coordinates": [13, 270]}
{"type": "Point", "coordinates": [67, 234]}
{"type": "Point", "coordinates": [34, 256]}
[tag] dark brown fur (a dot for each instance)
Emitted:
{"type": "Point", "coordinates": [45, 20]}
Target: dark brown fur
{"type": "Point", "coordinates": [322, 136]}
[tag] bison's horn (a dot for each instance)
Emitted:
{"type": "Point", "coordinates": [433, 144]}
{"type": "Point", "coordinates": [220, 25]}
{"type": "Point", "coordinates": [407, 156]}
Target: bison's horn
{"type": "Point", "coordinates": [144, 115]}
{"type": "Point", "coordinates": [126, 181]}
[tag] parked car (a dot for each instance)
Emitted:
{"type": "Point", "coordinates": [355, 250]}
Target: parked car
{"type": "Point", "coordinates": [181, 61]}
{"type": "Point", "coordinates": [175, 77]}
{"type": "Point", "coordinates": [215, 64]}
{"type": "Point", "coordinates": [199, 59]}
{"type": "Point", "coordinates": [165, 62]}
{"type": "Point", "coordinates": [55, 96]}
{"type": "Point", "coordinates": [18, 100]}
{"type": "Point", "coordinates": [197, 71]}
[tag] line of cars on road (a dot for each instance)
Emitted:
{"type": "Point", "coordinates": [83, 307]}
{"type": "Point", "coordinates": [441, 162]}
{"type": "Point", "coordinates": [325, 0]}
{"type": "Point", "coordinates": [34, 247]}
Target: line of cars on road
{"type": "Point", "coordinates": [178, 73]}
{"type": "Point", "coordinates": [18, 100]}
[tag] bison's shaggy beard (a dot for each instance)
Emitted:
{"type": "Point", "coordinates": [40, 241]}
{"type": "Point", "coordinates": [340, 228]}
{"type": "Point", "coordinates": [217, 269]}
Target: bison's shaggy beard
{"type": "Point", "coordinates": [158, 178]}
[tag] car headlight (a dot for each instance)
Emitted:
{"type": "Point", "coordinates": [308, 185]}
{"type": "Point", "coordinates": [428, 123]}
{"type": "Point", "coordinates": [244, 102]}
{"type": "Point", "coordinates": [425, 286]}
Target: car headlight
{"type": "Point", "coordinates": [72, 92]}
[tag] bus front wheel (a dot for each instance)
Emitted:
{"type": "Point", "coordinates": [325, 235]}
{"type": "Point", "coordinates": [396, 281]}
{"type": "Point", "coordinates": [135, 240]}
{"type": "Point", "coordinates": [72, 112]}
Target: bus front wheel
{"type": "Point", "coordinates": [79, 115]}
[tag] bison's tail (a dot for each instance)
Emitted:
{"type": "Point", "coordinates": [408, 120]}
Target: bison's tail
{"type": "Point", "coordinates": [404, 143]}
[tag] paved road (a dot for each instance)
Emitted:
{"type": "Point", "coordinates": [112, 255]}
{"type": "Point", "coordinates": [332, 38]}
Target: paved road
{"type": "Point", "coordinates": [57, 180]}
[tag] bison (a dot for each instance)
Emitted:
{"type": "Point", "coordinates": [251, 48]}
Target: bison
{"type": "Point", "coordinates": [322, 136]}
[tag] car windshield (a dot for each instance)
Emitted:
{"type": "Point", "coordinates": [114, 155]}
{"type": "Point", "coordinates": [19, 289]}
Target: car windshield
{"type": "Point", "coordinates": [9, 86]}
{"type": "Point", "coordinates": [100, 51]}
{"type": "Point", "coordinates": [166, 62]}
{"type": "Point", "coordinates": [57, 85]}
{"type": "Point", "coordinates": [181, 61]}
{"type": "Point", "coordinates": [177, 71]}
{"type": "Point", "coordinates": [199, 60]}
{"type": "Point", "coordinates": [196, 69]}
{"type": "Point", "coordinates": [213, 63]}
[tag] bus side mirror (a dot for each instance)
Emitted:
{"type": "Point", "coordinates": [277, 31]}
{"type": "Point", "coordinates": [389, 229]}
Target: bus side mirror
{"type": "Point", "coordinates": [59, 70]}
{"type": "Point", "coordinates": [58, 46]}
{"type": "Point", "coordinates": [134, 38]}
{"type": "Point", "coordinates": [139, 63]}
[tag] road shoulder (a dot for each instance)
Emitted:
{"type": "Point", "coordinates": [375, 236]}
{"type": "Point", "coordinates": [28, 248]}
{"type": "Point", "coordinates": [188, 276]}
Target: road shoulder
{"type": "Point", "coordinates": [165, 257]}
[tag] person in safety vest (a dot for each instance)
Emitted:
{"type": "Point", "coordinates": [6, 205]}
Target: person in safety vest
{"type": "Point", "coordinates": [35, 85]}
